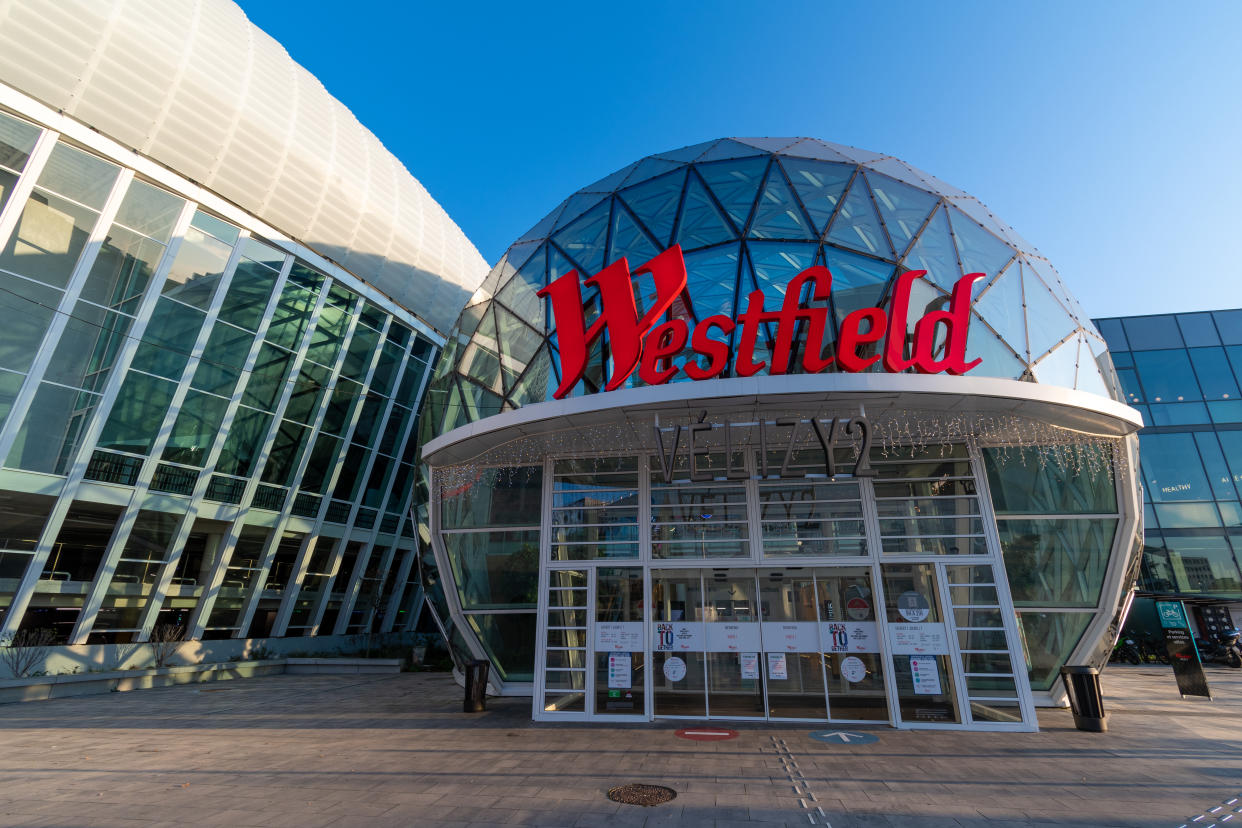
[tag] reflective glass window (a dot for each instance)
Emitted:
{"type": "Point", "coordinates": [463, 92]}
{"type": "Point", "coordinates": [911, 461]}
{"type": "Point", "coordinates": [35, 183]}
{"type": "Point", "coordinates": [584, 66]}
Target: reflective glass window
{"type": "Point", "coordinates": [1229, 323]}
{"type": "Point", "coordinates": [319, 465]}
{"type": "Point", "coordinates": [1218, 473]}
{"type": "Point", "coordinates": [17, 139]}
{"type": "Point", "coordinates": [509, 640]}
{"type": "Point", "coordinates": [137, 414]}
{"type": "Point", "coordinates": [246, 436]}
{"type": "Point", "coordinates": [329, 334]}
{"type": "Point", "coordinates": [1056, 563]}
{"type": "Point", "coordinates": [10, 385]}
{"type": "Point", "coordinates": [340, 409]}
{"type": "Point", "coordinates": [1050, 638]}
{"type": "Point", "coordinates": [1147, 333]}
{"type": "Point", "coordinates": [249, 291]}
{"type": "Point", "coordinates": [358, 355]}
{"type": "Point", "coordinates": [1167, 376]}
{"type": "Point", "coordinates": [128, 257]}
{"type": "Point", "coordinates": [1050, 481]}
{"type": "Point", "coordinates": [291, 316]}
{"type": "Point", "coordinates": [1197, 329]}
{"type": "Point", "coordinates": [194, 432]}
{"type": "Point", "coordinates": [351, 471]}
{"type": "Point", "coordinates": [26, 311]}
{"type": "Point", "coordinates": [286, 452]}
{"type": "Point", "coordinates": [1171, 468]}
{"type": "Point", "coordinates": [495, 569]}
{"type": "Point", "coordinates": [1172, 414]}
{"type": "Point", "coordinates": [307, 393]}
{"type": "Point", "coordinates": [367, 426]}
{"type": "Point", "coordinates": [88, 347]}
{"type": "Point", "coordinates": [198, 268]}
{"type": "Point", "coordinates": [221, 363]}
{"type": "Point", "coordinates": [1214, 373]}
{"type": "Point", "coordinates": [51, 434]}
{"type": "Point", "coordinates": [168, 339]}
{"type": "Point", "coordinates": [267, 378]}
{"type": "Point", "coordinates": [1203, 564]}
{"type": "Point", "coordinates": [81, 542]}
{"type": "Point", "coordinates": [1113, 334]}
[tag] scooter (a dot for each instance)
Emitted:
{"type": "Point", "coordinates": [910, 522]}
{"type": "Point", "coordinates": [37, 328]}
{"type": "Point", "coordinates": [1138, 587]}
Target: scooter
{"type": "Point", "coordinates": [1223, 651]}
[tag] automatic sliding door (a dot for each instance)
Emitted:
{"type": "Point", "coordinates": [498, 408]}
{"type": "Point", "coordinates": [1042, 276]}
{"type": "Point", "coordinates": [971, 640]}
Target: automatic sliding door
{"type": "Point", "coordinates": [734, 686]}
{"type": "Point", "coordinates": [918, 639]}
{"type": "Point", "coordinates": [848, 628]}
{"type": "Point", "coordinates": [620, 649]}
{"type": "Point", "coordinates": [678, 677]}
{"type": "Point", "coordinates": [791, 644]}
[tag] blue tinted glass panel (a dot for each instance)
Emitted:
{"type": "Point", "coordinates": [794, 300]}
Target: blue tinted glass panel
{"type": "Point", "coordinates": [1214, 462]}
{"type": "Point", "coordinates": [1197, 329]}
{"type": "Point", "coordinates": [1171, 468]}
{"type": "Point", "coordinates": [1214, 373]}
{"type": "Point", "coordinates": [1149, 333]}
{"type": "Point", "coordinates": [1229, 323]}
{"type": "Point", "coordinates": [1203, 564]}
{"type": "Point", "coordinates": [1168, 414]}
{"type": "Point", "coordinates": [1166, 376]}
{"type": "Point", "coordinates": [1113, 333]}
{"type": "Point", "coordinates": [1122, 359]}
{"type": "Point", "coordinates": [1225, 411]}
{"type": "Point", "coordinates": [1231, 443]}
{"type": "Point", "coordinates": [1187, 515]}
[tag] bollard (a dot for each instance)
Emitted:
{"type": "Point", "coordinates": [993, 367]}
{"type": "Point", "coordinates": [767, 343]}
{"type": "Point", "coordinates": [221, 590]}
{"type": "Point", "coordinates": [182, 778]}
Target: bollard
{"type": "Point", "coordinates": [476, 686]}
{"type": "Point", "coordinates": [1086, 700]}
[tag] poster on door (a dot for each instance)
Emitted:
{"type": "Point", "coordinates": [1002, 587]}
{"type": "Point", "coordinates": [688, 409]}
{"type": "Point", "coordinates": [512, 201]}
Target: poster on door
{"type": "Point", "coordinates": [678, 636]}
{"type": "Point", "coordinates": [850, 637]}
{"type": "Point", "coordinates": [919, 639]}
{"type": "Point", "coordinates": [777, 668]}
{"type": "Point", "coordinates": [626, 636]}
{"type": "Point", "coordinates": [733, 638]}
{"type": "Point", "coordinates": [620, 673]}
{"type": "Point", "coordinates": [926, 675]}
{"type": "Point", "coordinates": [790, 636]}
{"type": "Point", "coordinates": [750, 665]}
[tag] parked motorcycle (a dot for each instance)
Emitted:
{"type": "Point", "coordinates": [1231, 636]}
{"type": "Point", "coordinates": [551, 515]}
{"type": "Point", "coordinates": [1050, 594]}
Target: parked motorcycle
{"type": "Point", "coordinates": [1226, 650]}
{"type": "Point", "coordinates": [1127, 650]}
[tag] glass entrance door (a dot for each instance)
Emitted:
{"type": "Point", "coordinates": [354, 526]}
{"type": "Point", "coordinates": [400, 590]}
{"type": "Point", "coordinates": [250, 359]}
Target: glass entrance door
{"type": "Point", "coordinates": [620, 649]}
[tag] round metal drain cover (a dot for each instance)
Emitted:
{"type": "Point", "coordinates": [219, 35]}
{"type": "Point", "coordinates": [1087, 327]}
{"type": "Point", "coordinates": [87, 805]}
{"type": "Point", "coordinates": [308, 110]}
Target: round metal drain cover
{"type": "Point", "coordinates": [645, 795]}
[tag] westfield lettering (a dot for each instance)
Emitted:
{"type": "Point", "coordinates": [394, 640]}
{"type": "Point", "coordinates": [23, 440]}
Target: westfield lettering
{"type": "Point", "coordinates": [639, 343]}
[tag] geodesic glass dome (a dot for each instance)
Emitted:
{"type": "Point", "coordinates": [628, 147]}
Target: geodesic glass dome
{"type": "Point", "coordinates": [749, 214]}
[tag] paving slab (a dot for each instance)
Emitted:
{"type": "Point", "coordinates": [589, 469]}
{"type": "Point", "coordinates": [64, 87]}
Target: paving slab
{"type": "Point", "coordinates": [397, 750]}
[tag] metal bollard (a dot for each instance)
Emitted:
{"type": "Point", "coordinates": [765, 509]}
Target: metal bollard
{"type": "Point", "coordinates": [1086, 699]}
{"type": "Point", "coordinates": [476, 687]}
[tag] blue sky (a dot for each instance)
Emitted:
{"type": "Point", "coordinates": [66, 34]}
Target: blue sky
{"type": "Point", "coordinates": [1106, 133]}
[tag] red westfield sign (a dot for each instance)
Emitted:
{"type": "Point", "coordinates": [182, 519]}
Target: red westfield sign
{"type": "Point", "coordinates": [639, 343]}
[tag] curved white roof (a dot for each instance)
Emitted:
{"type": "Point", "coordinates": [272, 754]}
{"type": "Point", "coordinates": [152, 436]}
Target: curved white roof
{"type": "Point", "coordinates": [194, 85]}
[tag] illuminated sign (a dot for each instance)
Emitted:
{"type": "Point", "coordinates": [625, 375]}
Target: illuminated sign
{"type": "Point", "coordinates": [639, 343]}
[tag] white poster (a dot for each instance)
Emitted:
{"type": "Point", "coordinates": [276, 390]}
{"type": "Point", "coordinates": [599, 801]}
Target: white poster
{"type": "Point", "coordinates": [926, 675]}
{"type": "Point", "coordinates": [850, 637]}
{"type": "Point", "coordinates": [776, 666]}
{"type": "Point", "coordinates": [742, 637]}
{"type": "Point", "coordinates": [790, 636]}
{"type": "Point", "coordinates": [853, 670]}
{"type": "Point", "coordinates": [919, 639]}
{"type": "Point", "coordinates": [624, 636]}
{"type": "Point", "coordinates": [674, 669]}
{"type": "Point", "coordinates": [678, 636]}
{"type": "Point", "coordinates": [750, 665]}
{"type": "Point", "coordinates": [619, 672]}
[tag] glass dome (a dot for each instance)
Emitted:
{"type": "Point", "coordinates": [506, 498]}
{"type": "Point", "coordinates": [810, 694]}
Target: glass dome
{"type": "Point", "coordinates": [749, 214]}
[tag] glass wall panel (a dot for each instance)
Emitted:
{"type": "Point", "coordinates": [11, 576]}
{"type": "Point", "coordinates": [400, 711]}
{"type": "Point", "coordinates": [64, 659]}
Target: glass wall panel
{"type": "Point", "coordinates": [1215, 374]}
{"type": "Point", "coordinates": [1050, 481]}
{"type": "Point", "coordinates": [1147, 333]}
{"type": "Point", "coordinates": [17, 140]}
{"type": "Point", "coordinates": [308, 392]}
{"type": "Point", "coordinates": [194, 432]}
{"type": "Point", "coordinates": [267, 379]}
{"type": "Point", "coordinates": [87, 348]}
{"type": "Point", "coordinates": [22, 517]}
{"type": "Point", "coordinates": [1202, 563]}
{"type": "Point", "coordinates": [246, 436]}
{"type": "Point", "coordinates": [319, 466]}
{"type": "Point", "coordinates": [358, 355]}
{"type": "Point", "coordinates": [1171, 468]}
{"type": "Point", "coordinates": [198, 269]}
{"type": "Point", "coordinates": [80, 545]}
{"type": "Point", "coordinates": [26, 311]}
{"type": "Point", "coordinates": [223, 359]}
{"type": "Point", "coordinates": [345, 397]}
{"type": "Point", "coordinates": [509, 640]}
{"type": "Point", "coordinates": [925, 692]}
{"type": "Point", "coordinates": [677, 596]}
{"type": "Point", "coordinates": [286, 452]}
{"type": "Point", "coordinates": [249, 291]}
{"type": "Point", "coordinates": [329, 334]}
{"type": "Point", "coordinates": [495, 569]}
{"type": "Point", "coordinates": [494, 497]}
{"type": "Point", "coordinates": [51, 434]}
{"type": "Point", "coordinates": [291, 316]}
{"type": "Point", "coordinates": [1056, 563]}
{"type": "Point", "coordinates": [168, 339]}
{"type": "Point", "coordinates": [137, 414]}
{"type": "Point", "coordinates": [1167, 376]}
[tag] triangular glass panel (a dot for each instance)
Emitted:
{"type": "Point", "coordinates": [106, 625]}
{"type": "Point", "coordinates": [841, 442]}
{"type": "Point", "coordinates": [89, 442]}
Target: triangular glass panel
{"type": "Point", "coordinates": [468, 322]}
{"type": "Point", "coordinates": [575, 206]}
{"type": "Point", "coordinates": [998, 359]}
{"type": "Point", "coordinates": [518, 343]}
{"type": "Point", "coordinates": [978, 250]}
{"type": "Point", "coordinates": [735, 185]}
{"type": "Point", "coordinates": [814, 148]}
{"type": "Point", "coordinates": [583, 241]}
{"type": "Point", "coordinates": [899, 170]}
{"type": "Point", "coordinates": [701, 223]}
{"type": "Point", "coordinates": [688, 153]}
{"type": "Point", "coordinates": [934, 252]}
{"type": "Point", "coordinates": [1060, 367]}
{"type": "Point", "coordinates": [478, 401]}
{"type": "Point", "coordinates": [519, 295]}
{"type": "Point", "coordinates": [726, 149]}
{"type": "Point", "coordinates": [541, 230]}
{"type": "Point", "coordinates": [857, 226]}
{"type": "Point", "coordinates": [518, 254]}
{"type": "Point", "coordinates": [769, 144]}
{"type": "Point", "coordinates": [649, 168]}
{"type": "Point", "coordinates": [937, 186]}
{"type": "Point", "coordinates": [455, 414]}
{"type": "Point", "coordinates": [655, 203]}
{"type": "Point", "coordinates": [1103, 362]}
{"type": "Point", "coordinates": [857, 281]}
{"type": "Point", "coordinates": [860, 156]}
{"type": "Point", "coordinates": [1047, 322]}
{"type": "Point", "coordinates": [1054, 281]}
{"type": "Point", "coordinates": [611, 182]}
{"type": "Point", "coordinates": [1001, 306]}
{"type": "Point", "coordinates": [537, 384]}
{"type": "Point", "coordinates": [481, 357]}
{"type": "Point", "coordinates": [778, 214]}
{"type": "Point", "coordinates": [974, 208]}
{"type": "Point", "coordinates": [496, 277]}
{"type": "Point", "coordinates": [903, 208]}
{"type": "Point", "coordinates": [820, 186]}
{"type": "Point", "coordinates": [712, 280]}
{"type": "Point", "coordinates": [775, 263]}
{"type": "Point", "coordinates": [628, 240]}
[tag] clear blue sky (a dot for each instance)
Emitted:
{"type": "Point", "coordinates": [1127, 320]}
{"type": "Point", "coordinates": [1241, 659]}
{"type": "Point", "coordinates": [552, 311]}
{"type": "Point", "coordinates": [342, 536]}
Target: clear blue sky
{"type": "Point", "coordinates": [1107, 133]}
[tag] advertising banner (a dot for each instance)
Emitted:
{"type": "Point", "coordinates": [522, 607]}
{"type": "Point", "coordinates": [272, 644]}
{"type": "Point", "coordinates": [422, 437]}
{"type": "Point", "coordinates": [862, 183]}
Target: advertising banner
{"type": "Point", "coordinates": [850, 637]}
{"type": "Point", "coordinates": [1183, 654]}
{"type": "Point", "coordinates": [678, 636]}
{"type": "Point", "coordinates": [742, 637]}
{"type": "Point", "coordinates": [791, 636]}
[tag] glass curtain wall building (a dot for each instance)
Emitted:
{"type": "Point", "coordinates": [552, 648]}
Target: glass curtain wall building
{"type": "Point", "coordinates": [806, 527]}
{"type": "Point", "coordinates": [1183, 372]}
{"type": "Point", "coordinates": [204, 421]}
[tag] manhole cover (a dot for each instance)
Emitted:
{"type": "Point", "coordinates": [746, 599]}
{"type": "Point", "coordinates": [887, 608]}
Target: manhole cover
{"type": "Point", "coordinates": [646, 795]}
